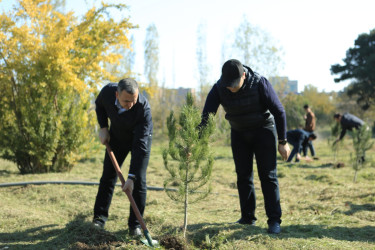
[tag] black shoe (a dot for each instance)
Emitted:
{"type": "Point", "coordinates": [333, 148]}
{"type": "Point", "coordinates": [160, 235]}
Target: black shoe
{"type": "Point", "coordinates": [98, 223]}
{"type": "Point", "coordinates": [274, 228]}
{"type": "Point", "coordinates": [135, 232]}
{"type": "Point", "coordinates": [245, 222]}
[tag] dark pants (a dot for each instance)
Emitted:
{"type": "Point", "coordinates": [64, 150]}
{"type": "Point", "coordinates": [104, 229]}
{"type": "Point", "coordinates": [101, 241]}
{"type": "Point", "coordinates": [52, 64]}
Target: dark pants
{"type": "Point", "coordinates": [108, 181]}
{"type": "Point", "coordinates": [294, 150]}
{"type": "Point", "coordinates": [261, 143]}
{"type": "Point", "coordinates": [311, 147]}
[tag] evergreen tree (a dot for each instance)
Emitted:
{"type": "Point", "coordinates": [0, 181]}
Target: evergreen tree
{"type": "Point", "coordinates": [361, 143]}
{"type": "Point", "coordinates": [359, 67]}
{"type": "Point", "coordinates": [192, 161]}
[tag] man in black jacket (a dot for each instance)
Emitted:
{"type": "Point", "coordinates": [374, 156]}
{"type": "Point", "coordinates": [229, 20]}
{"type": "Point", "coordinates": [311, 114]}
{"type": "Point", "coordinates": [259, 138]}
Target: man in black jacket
{"type": "Point", "coordinates": [300, 139]}
{"type": "Point", "coordinates": [252, 107]}
{"type": "Point", "coordinates": [347, 122]}
{"type": "Point", "coordinates": [130, 131]}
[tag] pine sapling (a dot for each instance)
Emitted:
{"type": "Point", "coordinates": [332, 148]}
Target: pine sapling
{"type": "Point", "coordinates": [191, 165]}
{"type": "Point", "coordinates": [361, 143]}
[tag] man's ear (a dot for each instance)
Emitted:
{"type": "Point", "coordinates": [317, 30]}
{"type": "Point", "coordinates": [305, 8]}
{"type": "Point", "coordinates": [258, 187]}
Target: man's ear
{"type": "Point", "coordinates": [116, 95]}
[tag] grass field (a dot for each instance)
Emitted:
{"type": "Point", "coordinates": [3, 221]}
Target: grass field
{"type": "Point", "coordinates": [322, 208]}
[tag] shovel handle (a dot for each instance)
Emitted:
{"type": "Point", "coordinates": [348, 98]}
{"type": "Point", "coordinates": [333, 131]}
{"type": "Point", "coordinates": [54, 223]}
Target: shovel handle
{"type": "Point", "coordinates": [128, 193]}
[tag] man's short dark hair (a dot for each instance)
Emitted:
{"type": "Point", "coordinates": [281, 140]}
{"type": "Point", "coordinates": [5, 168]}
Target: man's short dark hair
{"type": "Point", "coordinates": [127, 84]}
{"type": "Point", "coordinates": [231, 73]}
{"type": "Point", "coordinates": [312, 136]}
{"type": "Point", "coordinates": [337, 115]}
{"type": "Point", "coordinates": [306, 106]}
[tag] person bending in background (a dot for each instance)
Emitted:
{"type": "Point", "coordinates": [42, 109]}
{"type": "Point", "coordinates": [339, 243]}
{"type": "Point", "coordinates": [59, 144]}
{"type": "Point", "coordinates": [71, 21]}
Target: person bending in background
{"type": "Point", "coordinates": [347, 122]}
{"type": "Point", "coordinates": [299, 138]}
{"type": "Point", "coordinates": [130, 131]}
{"type": "Point", "coordinates": [252, 107]}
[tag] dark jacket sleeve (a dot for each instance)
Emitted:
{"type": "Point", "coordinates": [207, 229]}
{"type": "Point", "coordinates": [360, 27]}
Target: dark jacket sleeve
{"type": "Point", "coordinates": [141, 145]}
{"type": "Point", "coordinates": [343, 132]}
{"type": "Point", "coordinates": [271, 100]}
{"type": "Point", "coordinates": [101, 114]}
{"type": "Point", "coordinates": [211, 105]}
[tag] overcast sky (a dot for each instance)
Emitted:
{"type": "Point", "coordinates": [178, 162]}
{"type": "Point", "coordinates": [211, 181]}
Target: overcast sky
{"type": "Point", "coordinates": [313, 34]}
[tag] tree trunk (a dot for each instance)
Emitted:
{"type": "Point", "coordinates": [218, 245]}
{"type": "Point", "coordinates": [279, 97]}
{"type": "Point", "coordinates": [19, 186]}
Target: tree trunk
{"type": "Point", "coordinates": [355, 176]}
{"type": "Point", "coordinates": [186, 203]}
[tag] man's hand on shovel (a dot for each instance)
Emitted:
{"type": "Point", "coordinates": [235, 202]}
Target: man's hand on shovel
{"type": "Point", "coordinates": [104, 136]}
{"type": "Point", "coordinates": [128, 186]}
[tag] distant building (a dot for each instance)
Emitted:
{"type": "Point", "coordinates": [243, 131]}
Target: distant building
{"type": "Point", "coordinates": [174, 96]}
{"type": "Point", "coordinates": [283, 84]}
{"type": "Point", "coordinates": [182, 92]}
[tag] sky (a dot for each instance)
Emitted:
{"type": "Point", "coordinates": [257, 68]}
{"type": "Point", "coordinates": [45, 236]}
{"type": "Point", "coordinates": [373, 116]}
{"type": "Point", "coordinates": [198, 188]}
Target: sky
{"type": "Point", "coordinates": [312, 34]}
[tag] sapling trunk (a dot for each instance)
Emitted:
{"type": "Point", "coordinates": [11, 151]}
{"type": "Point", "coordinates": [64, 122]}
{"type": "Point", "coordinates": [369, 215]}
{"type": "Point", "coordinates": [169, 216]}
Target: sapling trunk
{"type": "Point", "coordinates": [186, 204]}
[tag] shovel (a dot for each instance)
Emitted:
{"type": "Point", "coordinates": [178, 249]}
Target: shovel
{"type": "Point", "coordinates": [149, 241]}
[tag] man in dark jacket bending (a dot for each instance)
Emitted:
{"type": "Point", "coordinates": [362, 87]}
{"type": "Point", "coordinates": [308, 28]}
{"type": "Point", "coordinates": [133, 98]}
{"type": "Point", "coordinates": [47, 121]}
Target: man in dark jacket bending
{"type": "Point", "coordinates": [347, 122]}
{"type": "Point", "coordinates": [252, 107]}
{"type": "Point", "coordinates": [130, 131]}
{"type": "Point", "coordinates": [300, 139]}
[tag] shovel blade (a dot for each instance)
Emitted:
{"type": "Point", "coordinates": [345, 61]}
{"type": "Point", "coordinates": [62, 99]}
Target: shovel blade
{"type": "Point", "coordinates": [153, 243]}
{"type": "Point", "coordinates": [149, 241]}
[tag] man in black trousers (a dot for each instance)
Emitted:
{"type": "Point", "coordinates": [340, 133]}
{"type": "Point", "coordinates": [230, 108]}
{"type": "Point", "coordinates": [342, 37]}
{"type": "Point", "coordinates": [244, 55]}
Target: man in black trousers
{"type": "Point", "coordinates": [130, 131]}
{"type": "Point", "coordinates": [252, 109]}
{"type": "Point", "coordinates": [300, 139]}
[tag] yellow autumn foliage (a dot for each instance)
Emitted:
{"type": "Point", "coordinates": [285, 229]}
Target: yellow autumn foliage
{"type": "Point", "coordinates": [50, 66]}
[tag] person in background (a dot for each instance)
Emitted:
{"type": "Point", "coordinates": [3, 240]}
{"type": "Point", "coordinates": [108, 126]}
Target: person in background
{"type": "Point", "coordinates": [130, 131]}
{"type": "Point", "coordinates": [252, 109]}
{"type": "Point", "coordinates": [347, 122]}
{"type": "Point", "coordinates": [310, 122]}
{"type": "Point", "coordinates": [299, 138]}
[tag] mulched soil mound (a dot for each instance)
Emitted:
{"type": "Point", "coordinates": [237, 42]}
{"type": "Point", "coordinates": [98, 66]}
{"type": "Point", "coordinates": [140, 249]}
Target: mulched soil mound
{"type": "Point", "coordinates": [339, 165]}
{"type": "Point", "coordinates": [83, 246]}
{"type": "Point", "coordinates": [173, 242]}
{"type": "Point", "coordinates": [86, 236]}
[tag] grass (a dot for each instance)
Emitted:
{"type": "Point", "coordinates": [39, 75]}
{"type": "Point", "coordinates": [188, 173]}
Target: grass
{"type": "Point", "coordinates": [322, 208]}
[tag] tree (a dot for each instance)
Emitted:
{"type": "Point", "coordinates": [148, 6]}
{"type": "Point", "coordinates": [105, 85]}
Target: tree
{"type": "Point", "coordinates": [50, 65]}
{"type": "Point", "coordinates": [359, 66]}
{"type": "Point", "coordinates": [321, 103]}
{"type": "Point", "coordinates": [294, 112]}
{"type": "Point", "coordinates": [157, 95]}
{"type": "Point", "coordinates": [124, 68]}
{"type": "Point", "coordinates": [256, 48]}
{"type": "Point", "coordinates": [361, 143]}
{"type": "Point", "coordinates": [203, 68]}
{"type": "Point", "coordinates": [151, 55]}
{"type": "Point", "coordinates": [189, 149]}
